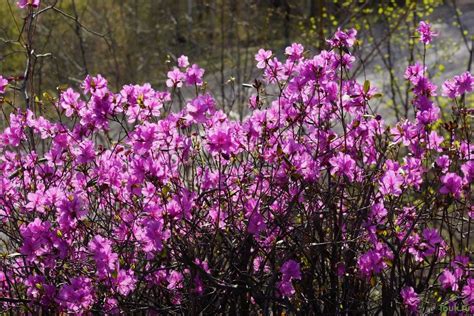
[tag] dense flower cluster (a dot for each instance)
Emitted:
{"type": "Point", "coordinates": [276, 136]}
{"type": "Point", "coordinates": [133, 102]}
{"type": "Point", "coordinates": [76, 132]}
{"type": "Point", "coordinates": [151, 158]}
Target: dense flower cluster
{"type": "Point", "coordinates": [313, 202]}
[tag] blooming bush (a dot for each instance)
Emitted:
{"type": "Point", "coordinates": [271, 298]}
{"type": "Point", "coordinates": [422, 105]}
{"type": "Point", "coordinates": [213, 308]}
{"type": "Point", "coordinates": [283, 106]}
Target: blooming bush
{"type": "Point", "coordinates": [312, 204]}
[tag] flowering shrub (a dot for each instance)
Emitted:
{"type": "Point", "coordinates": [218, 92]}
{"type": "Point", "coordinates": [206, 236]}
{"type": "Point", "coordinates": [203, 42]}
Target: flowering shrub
{"type": "Point", "coordinates": [313, 203]}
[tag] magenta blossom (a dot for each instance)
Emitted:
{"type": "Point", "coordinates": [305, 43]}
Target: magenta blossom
{"type": "Point", "coordinates": [414, 72]}
{"type": "Point", "coordinates": [194, 75]}
{"type": "Point", "coordinates": [468, 171]}
{"type": "Point", "coordinates": [345, 38]}
{"type": "Point", "coordinates": [23, 3]}
{"type": "Point", "coordinates": [426, 34]}
{"type": "Point", "coordinates": [95, 85]}
{"type": "Point", "coordinates": [410, 298]}
{"type": "Point", "coordinates": [175, 280]}
{"type": "Point", "coordinates": [434, 243]}
{"type": "Point", "coordinates": [262, 57]}
{"type": "Point", "coordinates": [374, 261]}
{"type": "Point", "coordinates": [84, 152]}
{"type": "Point", "coordinates": [221, 139]}
{"type": "Point", "coordinates": [448, 280]}
{"type": "Point", "coordinates": [183, 61]}
{"type": "Point", "coordinates": [199, 107]}
{"type": "Point", "coordinates": [452, 184]}
{"type": "Point", "coordinates": [290, 270]}
{"type": "Point", "coordinates": [69, 101]}
{"type": "Point", "coordinates": [39, 289]}
{"type": "Point", "coordinates": [3, 84]}
{"type": "Point", "coordinates": [77, 297]}
{"type": "Point", "coordinates": [468, 291]}
{"type": "Point", "coordinates": [256, 220]}
{"type": "Point", "coordinates": [391, 183]}
{"type": "Point", "coordinates": [343, 164]}
{"type": "Point", "coordinates": [125, 281]}
{"type": "Point", "coordinates": [458, 85]}
{"type": "Point", "coordinates": [295, 51]}
{"type": "Point", "coordinates": [175, 78]}
{"type": "Point", "coordinates": [104, 257]}
{"type": "Point", "coordinates": [443, 162]}
{"type": "Point", "coordinates": [40, 244]}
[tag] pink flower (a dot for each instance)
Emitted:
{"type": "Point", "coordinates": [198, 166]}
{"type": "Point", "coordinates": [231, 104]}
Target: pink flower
{"type": "Point", "coordinates": [85, 152]}
{"type": "Point", "coordinates": [346, 61]}
{"type": "Point", "coordinates": [194, 75]}
{"type": "Point", "coordinates": [434, 141]}
{"type": "Point", "coordinates": [36, 201]}
{"type": "Point", "coordinates": [274, 71]}
{"type": "Point", "coordinates": [448, 280]}
{"type": "Point", "coordinates": [443, 162]}
{"type": "Point", "coordinates": [256, 220]}
{"type": "Point", "coordinates": [373, 261]}
{"type": "Point", "coordinates": [345, 38]}
{"type": "Point", "coordinates": [143, 137]}
{"type": "Point", "coordinates": [125, 281]}
{"type": "Point", "coordinates": [413, 170]}
{"type": "Point", "coordinates": [95, 85]}
{"type": "Point", "coordinates": [221, 139]}
{"type": "Point", "coordinates": [39, 289]}
{"type": "Point", "coordinates": [458, 85]}
{"type": "Point", "coordinates": [426, 34]}
{"type": "Point", "coordinates": [414, 72]}
{"type": "Point", "coordinates": [69, 101]}
{"type": "Point", "coordinates": [183, 61]}
{"type": "Point", "coordinates": [70, 210]}
{"type": "Point", "coordinates": [155, 234]}
{"type": "Point", "coordinates": [343, 164]}
{"type": "Point", "coordinates": [40, 244]}
{"type": "Point", "coordinates": [295, 51]}
{"type": "Point", "coordinates": [468, 291]}
{"type": "Point", "coordinates": [464, 83]}
{"type": "Point", "coordinates": [452, 184]}
{"type": "Point", "coordinates": [424, 86]}
{"type": "Point", "coordinates": [378, 211]}
{"type": "Point", "coordinates": [23, 3]}
{"type": "Point", "coordinates": [111, 306]}
{"type": "Point", "coordinates": [175, 280]}
{"type": "Point", "coordinates": [410, 298]}
{"type": "Point", "coordinates": [199, 107]}
{"type": "Point", "coordinates": [434, 244]}
{"type": "Point", "coordinates": [105, 258]}
{"type": "Point", "coordinates": [262, 57]}
{"type": "Point", "coordinates": [423, 103]}
{"type": "Point", "coordinates": [391, 183]}
{"type": "Point", "coordinates": [77, 297]}
{"type": "Point", "coordinates": [253, 102]}
{"type": "Point", "coordinates": [468, 171]}
{"type": "Point", "coordinates": [3, 84]}
{"type": "Point", "coordinates": [175, 78]}
{"type": "Point", "coordinates": [198, 284]}
{"type": "Point", "coordinates": [290, 270]}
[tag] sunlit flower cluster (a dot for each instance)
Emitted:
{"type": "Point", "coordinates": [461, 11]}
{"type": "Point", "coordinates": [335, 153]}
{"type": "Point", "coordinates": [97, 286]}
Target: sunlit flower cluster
{"type": "Point", "coordinates": [128, 203]}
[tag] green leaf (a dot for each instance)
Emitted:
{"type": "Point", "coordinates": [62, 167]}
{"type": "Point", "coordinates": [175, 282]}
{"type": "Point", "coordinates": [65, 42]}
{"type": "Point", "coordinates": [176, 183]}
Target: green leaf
{"type": "Point", "coordinates": [165, 190]}
{"type": "Point", "coordinates": [366, 86]}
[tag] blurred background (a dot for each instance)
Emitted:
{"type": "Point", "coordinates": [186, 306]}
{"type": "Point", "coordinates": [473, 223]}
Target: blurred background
{"type": "Point", "coordinates": [137, 41]}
